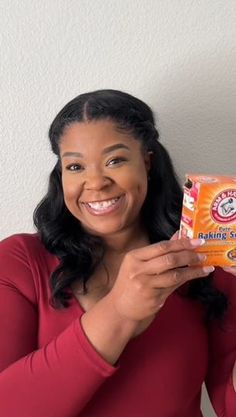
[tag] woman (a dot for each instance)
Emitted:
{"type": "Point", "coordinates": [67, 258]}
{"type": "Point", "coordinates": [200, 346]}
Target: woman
{"type": "Point", "coordinates": [104, 311]}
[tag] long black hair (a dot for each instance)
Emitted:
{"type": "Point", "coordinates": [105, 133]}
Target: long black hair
{"type": "Point", "coordinates": [62, 234]}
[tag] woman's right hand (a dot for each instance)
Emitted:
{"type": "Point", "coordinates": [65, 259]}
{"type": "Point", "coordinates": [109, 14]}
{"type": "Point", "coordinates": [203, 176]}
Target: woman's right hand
{"type": "Point", "coordinates": [148, 276]}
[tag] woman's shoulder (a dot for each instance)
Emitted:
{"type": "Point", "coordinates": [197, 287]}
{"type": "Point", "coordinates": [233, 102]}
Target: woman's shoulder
{"type": "Point", "coordinates": [26, 248]}
{"type": "Point", "coordinates": [29, 243]}
{"type": "Point", "coordinates": [18, 238]}
{"type": "Point", "coordinates": [224, 281]}
{"type": "Point", "coordinates": [25, 263]}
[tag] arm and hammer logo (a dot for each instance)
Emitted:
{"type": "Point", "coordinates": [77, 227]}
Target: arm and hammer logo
{"type": "Point", "coordinates": [223, 209]}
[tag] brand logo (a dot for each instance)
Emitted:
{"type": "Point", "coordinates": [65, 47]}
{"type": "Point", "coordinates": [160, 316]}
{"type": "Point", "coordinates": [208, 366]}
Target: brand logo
{"type": "Point", "coordinates": [223, 208]}
{"type": "Point", "coordinates": [232, 255]}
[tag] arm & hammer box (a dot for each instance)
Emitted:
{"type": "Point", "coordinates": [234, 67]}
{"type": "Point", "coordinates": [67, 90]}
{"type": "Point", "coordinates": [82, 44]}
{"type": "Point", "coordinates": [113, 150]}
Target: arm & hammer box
{"type": "Point", "coordinates": [209, 212]}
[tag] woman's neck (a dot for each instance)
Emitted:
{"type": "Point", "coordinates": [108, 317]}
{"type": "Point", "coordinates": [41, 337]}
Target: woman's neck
{"type": "Point", "coordinates": [126, 240]}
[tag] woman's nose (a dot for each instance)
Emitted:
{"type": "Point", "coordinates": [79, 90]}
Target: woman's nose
{"type": "Point", "coordinates": [96, 180]}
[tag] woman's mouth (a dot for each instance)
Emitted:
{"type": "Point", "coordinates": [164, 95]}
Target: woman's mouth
{"type": "Point", "coordinates": [104, 207]}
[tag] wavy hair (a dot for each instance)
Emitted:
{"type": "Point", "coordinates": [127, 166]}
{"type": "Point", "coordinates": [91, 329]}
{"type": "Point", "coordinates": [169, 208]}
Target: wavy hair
{"type": "Point", "coordinates": [62, 234]}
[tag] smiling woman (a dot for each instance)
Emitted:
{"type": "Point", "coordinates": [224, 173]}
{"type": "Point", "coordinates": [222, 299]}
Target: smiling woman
{"type": "Point", "coordinates": [104, 312]}
{"type": "Point", "coordinates": [105, 186]}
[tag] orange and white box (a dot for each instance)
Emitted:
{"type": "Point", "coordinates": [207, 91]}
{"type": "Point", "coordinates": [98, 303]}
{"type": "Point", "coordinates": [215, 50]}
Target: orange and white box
{"type": "Point", "coordinates": [209, 212]}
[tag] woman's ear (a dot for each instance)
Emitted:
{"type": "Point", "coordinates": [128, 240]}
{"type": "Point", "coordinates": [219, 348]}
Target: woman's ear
{"type": "Point", "coordinates": [148, 160]}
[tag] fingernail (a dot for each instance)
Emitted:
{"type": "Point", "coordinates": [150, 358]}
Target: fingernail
{"type": "Point", "coordinates": [201, 257]}
{"type": "Point", "coordinates": [197, 242]}
{"type": "Point", "coordinates": [175, 236]}
{"type": "Point", "coordinates": [208, 269]}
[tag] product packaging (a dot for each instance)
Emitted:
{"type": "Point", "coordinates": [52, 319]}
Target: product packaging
{"type": "Point", "coordinates": [209, 212]}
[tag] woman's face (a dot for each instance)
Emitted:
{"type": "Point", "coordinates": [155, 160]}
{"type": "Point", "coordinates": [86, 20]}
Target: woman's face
{"type": "Point", "coordinates": [104, 176]}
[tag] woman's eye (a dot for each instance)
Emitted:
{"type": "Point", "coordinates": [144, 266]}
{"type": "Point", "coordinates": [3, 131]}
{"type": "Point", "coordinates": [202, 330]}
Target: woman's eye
{"type": "Point", "coordinates": [74, 167]}
{"type": "Point", "coordinates": [116, 161]}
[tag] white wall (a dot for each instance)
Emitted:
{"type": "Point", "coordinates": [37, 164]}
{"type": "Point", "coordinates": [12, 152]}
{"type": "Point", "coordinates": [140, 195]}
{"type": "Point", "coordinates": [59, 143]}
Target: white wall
{"type": "Point", "coordinates": [177, 55]}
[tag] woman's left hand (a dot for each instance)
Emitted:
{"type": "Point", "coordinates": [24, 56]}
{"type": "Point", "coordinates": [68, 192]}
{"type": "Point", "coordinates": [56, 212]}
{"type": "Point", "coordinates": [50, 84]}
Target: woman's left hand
{"type": "Point", "coordinates": [230, 269]}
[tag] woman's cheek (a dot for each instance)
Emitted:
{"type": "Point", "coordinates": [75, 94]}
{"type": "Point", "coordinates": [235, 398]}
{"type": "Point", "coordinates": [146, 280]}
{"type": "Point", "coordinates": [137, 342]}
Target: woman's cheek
{"type": "Point", "coordinates": [71, 193]}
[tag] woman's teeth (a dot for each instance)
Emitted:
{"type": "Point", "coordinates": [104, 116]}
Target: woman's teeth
{"type": "Point", "coordinates": [103, 204]}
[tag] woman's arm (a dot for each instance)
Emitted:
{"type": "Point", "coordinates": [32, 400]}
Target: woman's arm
{"type": "Point", "coordinates": [57, 379]}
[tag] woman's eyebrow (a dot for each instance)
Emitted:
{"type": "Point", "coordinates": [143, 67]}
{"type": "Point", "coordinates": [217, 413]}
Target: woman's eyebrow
{"type": "Point", "coordinates": [114, 148]}
{"type": "Point", "coordinates": [74, 154]}
{"type": "Point", "coordinates": [104, 152]}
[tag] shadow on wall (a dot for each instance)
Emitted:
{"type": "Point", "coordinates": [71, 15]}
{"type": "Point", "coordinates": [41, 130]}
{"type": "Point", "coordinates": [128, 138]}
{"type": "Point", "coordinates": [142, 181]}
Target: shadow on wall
{"type": "Point", "coordinates": [195, 105]}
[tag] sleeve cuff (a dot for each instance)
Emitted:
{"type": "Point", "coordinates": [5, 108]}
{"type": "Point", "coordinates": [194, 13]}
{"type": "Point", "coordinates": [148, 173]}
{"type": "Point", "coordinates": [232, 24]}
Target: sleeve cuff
{"type": "Point", "coordinates": [96, 360]}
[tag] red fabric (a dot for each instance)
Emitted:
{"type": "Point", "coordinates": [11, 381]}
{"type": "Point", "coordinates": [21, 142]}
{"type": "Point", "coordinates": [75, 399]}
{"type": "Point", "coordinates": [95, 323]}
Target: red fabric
{"type": "Point", "coordinates": [49, 368]}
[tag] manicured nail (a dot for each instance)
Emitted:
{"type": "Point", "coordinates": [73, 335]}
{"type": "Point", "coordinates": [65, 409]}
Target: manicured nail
{"type": "Point", "coordinates": [175, 236]}
{"type": "Point", "coordinates": [208, 269]}
{"type": "Point", "coordinates": [197, 242]}
{"type": "Point", "coordinates": [201, 257]}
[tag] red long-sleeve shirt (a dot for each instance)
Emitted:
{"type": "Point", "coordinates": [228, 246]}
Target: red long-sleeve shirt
{"type": "Point", "coordinates": [49, 367]}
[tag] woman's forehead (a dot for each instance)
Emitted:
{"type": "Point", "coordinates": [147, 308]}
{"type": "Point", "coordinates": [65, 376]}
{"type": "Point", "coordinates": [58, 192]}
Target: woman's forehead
{"type": "Point", "coordinates": [99, 134]}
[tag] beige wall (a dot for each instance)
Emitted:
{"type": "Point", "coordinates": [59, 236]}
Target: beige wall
{"type": "Point", "coordinates": [178, 55]}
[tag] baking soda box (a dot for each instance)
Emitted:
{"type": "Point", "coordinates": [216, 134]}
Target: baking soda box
{"type": "Point", "coordinates": [209, 212]}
